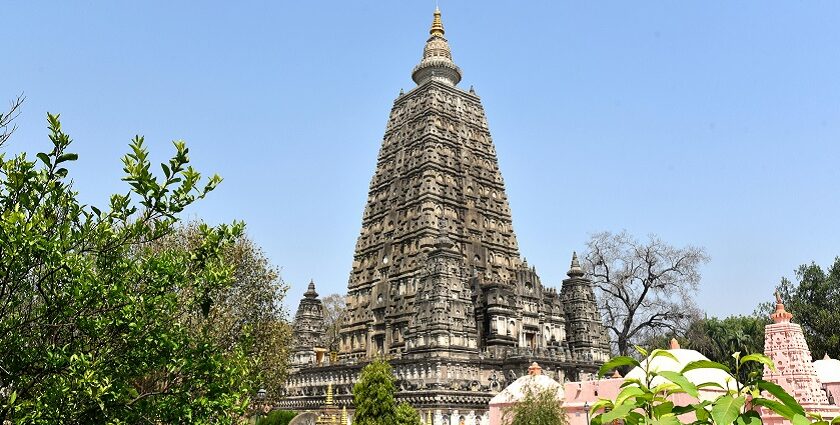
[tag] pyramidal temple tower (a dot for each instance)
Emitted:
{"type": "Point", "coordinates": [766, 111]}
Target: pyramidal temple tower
{"type": "Point", "coordinates": [437, 284]}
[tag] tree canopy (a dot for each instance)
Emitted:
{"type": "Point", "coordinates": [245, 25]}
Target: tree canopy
{"type": "Point", "coordinates": [644, 289]}
{"type": "Point", "coordinates": [99, 323]}
{"type": "Point", "coordinates": [373, 396]}
{"type": "Point", "coordinates": [538, 406]}
{"type": "Point", "coordinates": [814, 301]}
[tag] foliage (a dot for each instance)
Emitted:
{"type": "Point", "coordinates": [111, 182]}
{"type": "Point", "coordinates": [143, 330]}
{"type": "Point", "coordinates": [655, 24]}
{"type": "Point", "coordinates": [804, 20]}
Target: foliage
{"type": "Point", "coordinates": [644, 289]}
{"type": "Point", "coordinates": [278, 417]}
{"type": "Point", "coordinates": [97, 325]}
{"type": "Point", "coordinates": [537, 407]}
{"type": "Point", "coordinates": [373, 395]}
{"type": "Point", "coordinates": [716, 338]}
{"type": "Point", "coordinates": [406, 415]}
{"type": "Point", "coordinates": [649, 400]}
{"type": "Point", "coordinates": [814, 301]}
{"type": "Point", "coordinates": [334, 308]}
{"type": "Point", "coordinates": [249, 312]}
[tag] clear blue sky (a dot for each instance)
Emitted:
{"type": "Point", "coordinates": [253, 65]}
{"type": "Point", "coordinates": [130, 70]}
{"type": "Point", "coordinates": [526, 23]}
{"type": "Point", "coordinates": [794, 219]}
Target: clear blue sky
{"type": "Point", "coordinates": [712, 123]}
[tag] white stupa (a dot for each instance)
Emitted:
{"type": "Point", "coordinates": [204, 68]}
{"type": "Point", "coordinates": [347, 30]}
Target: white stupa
{"type": "Point", "coordinates": [828, 370]}
{"type": "Point", "coordinates": [534, 381]}
{"type": "Point", "coordinates": [683, 358]}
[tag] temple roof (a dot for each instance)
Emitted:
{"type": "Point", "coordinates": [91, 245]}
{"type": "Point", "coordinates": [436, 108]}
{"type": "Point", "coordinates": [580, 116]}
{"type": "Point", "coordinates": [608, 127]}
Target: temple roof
{"type": "Point", "coordinates": [437, 61]}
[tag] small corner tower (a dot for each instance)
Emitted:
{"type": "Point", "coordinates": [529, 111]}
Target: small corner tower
{"type": "Point", "coordinates": [308, 332]}
{"type": "Point", "coordinates": [586, 335]}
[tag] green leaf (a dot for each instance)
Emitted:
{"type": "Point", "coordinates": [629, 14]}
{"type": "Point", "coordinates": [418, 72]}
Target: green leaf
{"type": "Point", "coordinates": [628, 392]}
{"type": "Point", "coordinates": [681, 381]}
{"type": "Point", "coordinates": [760, 358]}
{"type": "Point", "coordinates": [726, 408]}
{"type": "Point", "coordinates": [775, 406]}
{"type": "Point", "coordinates": [44, 158]}
{"type": "Point", "coordinates": [781, 395]}
{"type": "Point", "coordinates": [800, 420]}
{"type": "Point", "coordinates": [669, 419]}
{"type": "Point", "coordinates": [662, 353]}
{"type": "Point", "coordinates": [750, 417]}
{"type": "Point", "coordinates": [618, 412]}
{"type": "Point", "coordinates": [67, 157]}
{"type": "Point", "coordinates": [704, 364]}
{"type": "Point", "coordinates": [662, 409]}
{"type": "Point", "coordinates": [616, 362]}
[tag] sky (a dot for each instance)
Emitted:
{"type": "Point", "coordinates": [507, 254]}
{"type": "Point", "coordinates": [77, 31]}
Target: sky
{"type": "Point", "coordinates": [712, 124]}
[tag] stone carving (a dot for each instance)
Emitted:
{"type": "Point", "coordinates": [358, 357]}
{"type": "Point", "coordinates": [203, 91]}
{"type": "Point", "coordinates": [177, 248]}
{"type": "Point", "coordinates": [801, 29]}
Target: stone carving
{"type": "Point", "coordinates": [437, 283]}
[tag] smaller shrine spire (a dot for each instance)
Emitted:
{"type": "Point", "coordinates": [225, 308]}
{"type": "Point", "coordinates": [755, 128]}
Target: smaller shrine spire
{"type": "Point", "coordinates": [575, 270]}
{"type": "Point", "coordinates": [310, 291]}
{"type": "Point", "coordinates": [780, 315]}
{"type": "Point", "coordinates": [674, 344]}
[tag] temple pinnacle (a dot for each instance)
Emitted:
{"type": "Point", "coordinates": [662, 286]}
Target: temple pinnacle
{"type": "Point", "coordinates": [436, 64]}
{"type": "Point", "coordinates": [437, 24]}
{"type": "Point", "coordinates": [310, 291]}
{"type": "Point", "coordinates": [575, 270]}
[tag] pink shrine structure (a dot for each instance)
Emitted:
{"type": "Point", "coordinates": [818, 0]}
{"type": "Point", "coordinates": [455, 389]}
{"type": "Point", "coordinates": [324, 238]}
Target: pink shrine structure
{"type": "Point", "coordinates": [815, 385]}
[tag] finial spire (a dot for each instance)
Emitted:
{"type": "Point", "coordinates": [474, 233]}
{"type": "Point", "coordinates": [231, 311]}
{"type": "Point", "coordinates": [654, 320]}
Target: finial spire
{"type": "Point", "coordinates": [437, 61]}
{"type": "Point", "coordinates": [437, 24]}
{"type": "Point", "coordinates": [674, 345]}
{"type": "Point", "coordinates": [780, 315]}
{"type": "Point", "coordinates": [575, 270]}
{"type": "Point", "coordinates": [310, 291]}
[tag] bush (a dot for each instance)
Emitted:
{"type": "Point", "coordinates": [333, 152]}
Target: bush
{"type": "Point", "coordinates": [278, 417]}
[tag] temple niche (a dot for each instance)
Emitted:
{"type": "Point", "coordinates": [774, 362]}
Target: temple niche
{"type": "Point", "coordinates": [437, 284]}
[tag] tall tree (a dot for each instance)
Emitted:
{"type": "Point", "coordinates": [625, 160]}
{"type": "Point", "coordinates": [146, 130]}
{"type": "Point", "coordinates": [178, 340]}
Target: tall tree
{"type": "Point", "coordinates": [718, 338]}
{"type": "Point", "coordinates": [97, 324]}
{"type": "Point", "coordinates": [250, 311]}
{"type": "Point", "coordinates": [644, 289]}
{"type": "Point", "coordinates": [334, 308]}
{"type": "Point", "coordinates": [373, 395]}
{"type": "Point", "coordinates": [814, 301]}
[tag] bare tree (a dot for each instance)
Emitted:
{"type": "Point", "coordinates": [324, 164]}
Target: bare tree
{"type": "Point", "coordinates": [6, 125]}
{"type": "Point", "coordinates": [334, 308]}
{"type": "Point", "coordinates": [644, 289]}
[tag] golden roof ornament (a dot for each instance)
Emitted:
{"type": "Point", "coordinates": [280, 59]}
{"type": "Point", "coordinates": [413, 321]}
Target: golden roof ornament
{"type": "Point", "coordinates": [437, 24]}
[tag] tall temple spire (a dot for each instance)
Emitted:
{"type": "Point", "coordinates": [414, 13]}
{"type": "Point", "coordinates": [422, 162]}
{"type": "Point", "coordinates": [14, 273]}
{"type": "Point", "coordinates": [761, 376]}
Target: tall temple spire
{"type": "Point", "coordinates": [437, 61]}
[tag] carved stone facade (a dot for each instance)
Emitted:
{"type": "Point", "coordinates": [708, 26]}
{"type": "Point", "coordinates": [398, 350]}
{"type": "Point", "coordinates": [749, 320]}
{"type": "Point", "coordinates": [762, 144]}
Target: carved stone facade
{"type": "Point", "coordinates": [308, 330]}
{"type": "Point", "coordinates": [437, 283]}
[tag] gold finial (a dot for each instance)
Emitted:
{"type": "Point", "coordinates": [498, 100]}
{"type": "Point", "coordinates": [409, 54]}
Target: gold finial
{"type": "Point", "coordinates": [437, 24]}
{"type": "Point", "coordinates": [344, 419]}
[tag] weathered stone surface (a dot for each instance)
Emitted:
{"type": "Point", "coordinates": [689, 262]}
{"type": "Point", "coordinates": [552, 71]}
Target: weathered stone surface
{"type": "Point", "coordinates": [437, 283]}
